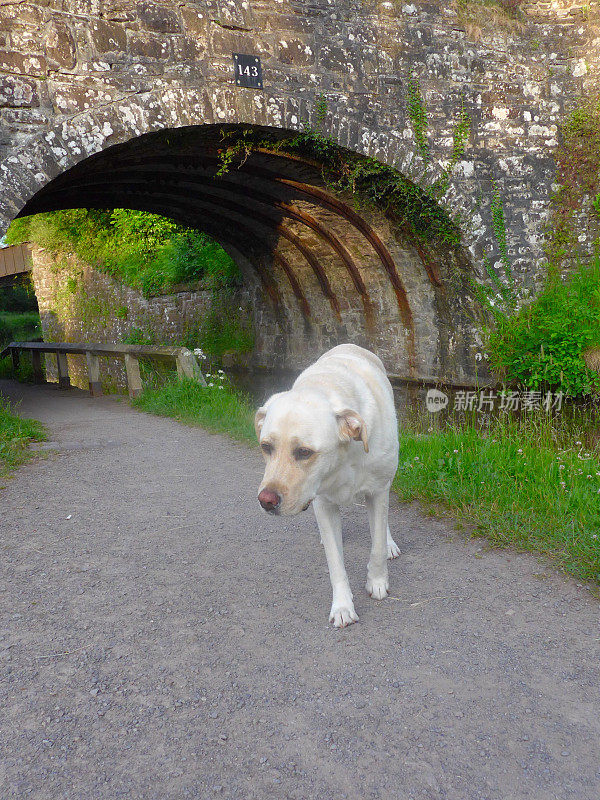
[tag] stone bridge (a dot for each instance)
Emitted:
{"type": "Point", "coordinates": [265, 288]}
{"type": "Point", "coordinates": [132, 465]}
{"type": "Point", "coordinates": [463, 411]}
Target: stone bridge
{"type": "Point", "coordinates": [107, 103]}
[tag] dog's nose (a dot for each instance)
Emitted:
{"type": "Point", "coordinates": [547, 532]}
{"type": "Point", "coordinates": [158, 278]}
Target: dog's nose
{"type": "Point", "coordinates": [269, 500]}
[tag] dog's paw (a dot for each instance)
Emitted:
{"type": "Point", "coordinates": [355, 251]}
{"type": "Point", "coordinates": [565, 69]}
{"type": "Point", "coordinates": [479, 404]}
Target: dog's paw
{"type": "Point", "coordinates": [393, 551]}
{"type": "Point", "coordinates": [377, 588]}
{"type": "Point", "coordinates": [342, 615]}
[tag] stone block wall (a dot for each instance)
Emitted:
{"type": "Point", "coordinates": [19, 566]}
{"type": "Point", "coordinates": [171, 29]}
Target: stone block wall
{"type": "Point", "coordinates": [81, 304]}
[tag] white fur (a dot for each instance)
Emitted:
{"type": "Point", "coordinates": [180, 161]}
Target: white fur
{"type": "Point", "coordinates": [342, 408]}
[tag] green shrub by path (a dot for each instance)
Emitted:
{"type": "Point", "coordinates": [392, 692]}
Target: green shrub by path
{"type": "Point", "coordinates": [18, 297]}
{"type": "Point", "coordinates": [528, 484]}
{"type": "Point", "coordinates": [25, 372]}
{"type": "Point", "coordinates": [540, 345]}
{"type": "Point", "coordinates": [16, 434]}
{"type": "Point", "coordinates": [218, 407]}
{"type": "Point", "coordinates": [146, 251]}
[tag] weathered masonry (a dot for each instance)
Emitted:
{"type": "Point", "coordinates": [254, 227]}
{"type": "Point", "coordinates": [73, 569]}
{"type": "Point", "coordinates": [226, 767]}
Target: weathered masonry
{"type": "Point", "coordinates": [111, 103]}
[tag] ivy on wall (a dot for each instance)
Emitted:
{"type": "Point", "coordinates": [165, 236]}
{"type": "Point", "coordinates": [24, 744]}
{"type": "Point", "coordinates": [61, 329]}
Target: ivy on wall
{"type": "Point", "coordinates": [416, 208]}
{"type": "Point", "coordinates": [578, 175]}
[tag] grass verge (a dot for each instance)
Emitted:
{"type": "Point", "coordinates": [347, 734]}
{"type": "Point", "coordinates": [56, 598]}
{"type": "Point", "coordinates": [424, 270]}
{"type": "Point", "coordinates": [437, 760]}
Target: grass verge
{"type": "Point", "coordinates": [19, 326]}
{"type": "Point", "coordinates": [529, 483]}
{"type": "Point", "coordinates": [216, 407]}
{"type": "Point", "coordinates": [16, 434]}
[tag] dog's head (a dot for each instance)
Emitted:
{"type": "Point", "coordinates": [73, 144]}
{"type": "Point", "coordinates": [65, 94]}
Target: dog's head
{"type": "Point", "coordinates": [303, 439]}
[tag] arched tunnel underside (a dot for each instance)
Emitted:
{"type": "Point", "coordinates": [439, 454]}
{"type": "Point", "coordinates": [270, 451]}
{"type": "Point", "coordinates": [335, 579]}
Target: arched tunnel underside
{"type": "Point", "coordinates": [321, 271]}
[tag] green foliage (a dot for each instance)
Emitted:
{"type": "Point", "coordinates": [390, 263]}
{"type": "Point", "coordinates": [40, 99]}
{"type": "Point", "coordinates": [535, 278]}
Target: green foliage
{"type": "Point", "coordinates": [24, 373]}
{"type": "Point", "coordinates": [541, 344]}
{"type": "Point", "coordinates": [418, 117]}
{"type": "Point", "coordinates": [218, 407]}
{"type": "Point", "coordinates": [222, 329]}
{"type": "Point", "coordinates": [146, 251]}
{"type": "Point", "coordinates": [19, 297]}
{"type": "Point", "coordinates": [460, 137]}
{"type": "Point", "coordinates": [523, 483]}
{"type": "Point", "coordinates": [578, 174]}
{"type": "Point", "coordinates": [19, 327]}
{"type": "Point", "coordinates": [15, 436]}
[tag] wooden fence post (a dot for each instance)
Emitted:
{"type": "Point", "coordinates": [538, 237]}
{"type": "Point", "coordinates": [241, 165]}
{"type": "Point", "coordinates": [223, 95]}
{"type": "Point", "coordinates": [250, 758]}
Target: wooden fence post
{"type": "Point", "coordinates": [14, 353]}
{"type": "Point", "coordinates": [187, 367]}
{"type": "Point", "coordinates": [93, 368]}
{"type": "Point", "coordinates": [38, 372]}
{"type": "Point", "coordinates": [134, 379]}
{"type": "Point", "coordinates": [62, 366]}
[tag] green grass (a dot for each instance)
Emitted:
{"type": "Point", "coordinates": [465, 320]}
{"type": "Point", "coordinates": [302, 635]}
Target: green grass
{"type": "Point", "coordinates": [16, 434]}
{"type": "Point", "coordinates": [532, 484]}
{"type": "Point", "coordinates": [218, 408]}
{"type": "Point", "coordinates": [19, 326]}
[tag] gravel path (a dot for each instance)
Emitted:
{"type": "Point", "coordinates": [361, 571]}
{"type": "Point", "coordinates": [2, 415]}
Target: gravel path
{"type": "Point", "coordinates": [161, 637]}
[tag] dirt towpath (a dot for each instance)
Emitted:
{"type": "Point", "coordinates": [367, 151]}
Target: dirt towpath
{"type": "Point", "coordinates": [163, 638]}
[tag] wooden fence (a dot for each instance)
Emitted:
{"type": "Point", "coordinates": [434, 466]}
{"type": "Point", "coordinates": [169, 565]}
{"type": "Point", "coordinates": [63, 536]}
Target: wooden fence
{"type": "Point", "coordinates": [185, 361]}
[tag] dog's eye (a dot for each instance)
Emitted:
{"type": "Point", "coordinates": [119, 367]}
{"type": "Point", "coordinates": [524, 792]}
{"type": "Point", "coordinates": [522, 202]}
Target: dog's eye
{"type": "Point", "coordinates": [267, 448]}
{"type": "Point", "coordinates": [302, 453]}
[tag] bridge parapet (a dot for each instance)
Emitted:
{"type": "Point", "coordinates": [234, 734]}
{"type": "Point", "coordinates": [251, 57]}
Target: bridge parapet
{"type": "Point", "coordinates": [14, 260]}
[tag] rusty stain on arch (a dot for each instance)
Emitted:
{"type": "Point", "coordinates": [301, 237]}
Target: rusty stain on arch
{"type": "Point", "coordinates": [109, 199]}
{"type": "Point", "coordinates": [280, 259]}
{"type": "Point", "coordinates": [261, 218]}
{"type": "Point", "coordinates": [288, 210]}
{"type": "Point", "coordinates": [136, 166]}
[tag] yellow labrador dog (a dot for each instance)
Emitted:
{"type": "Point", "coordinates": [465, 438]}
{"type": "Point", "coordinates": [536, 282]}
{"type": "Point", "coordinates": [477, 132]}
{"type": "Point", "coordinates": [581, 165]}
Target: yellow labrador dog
{"type": "Point", "coordinates": [330, 441]}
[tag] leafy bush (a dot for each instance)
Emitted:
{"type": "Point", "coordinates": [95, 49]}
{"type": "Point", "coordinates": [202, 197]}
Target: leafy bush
{"type": "Point", "coordinates": [541, 344]}
{"type": "Point", "coordinates": [146, 251]}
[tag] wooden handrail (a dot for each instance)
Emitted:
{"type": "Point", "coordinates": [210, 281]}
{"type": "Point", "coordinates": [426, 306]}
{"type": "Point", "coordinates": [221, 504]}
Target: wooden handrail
{"type": "Point", "coordinates": [185, 360]}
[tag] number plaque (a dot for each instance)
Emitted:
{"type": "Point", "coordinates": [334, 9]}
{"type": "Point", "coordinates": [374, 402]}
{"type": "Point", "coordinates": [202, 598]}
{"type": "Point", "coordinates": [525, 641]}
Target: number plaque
{"type": "Point", "coordinates": [248, 71]}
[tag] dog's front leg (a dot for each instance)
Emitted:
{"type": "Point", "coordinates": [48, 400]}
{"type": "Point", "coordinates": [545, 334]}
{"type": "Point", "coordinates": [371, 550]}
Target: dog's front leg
{"type": "Point", "coordinates": [330, 526]}
{"type": "Point", "coordinates": [377, 569]}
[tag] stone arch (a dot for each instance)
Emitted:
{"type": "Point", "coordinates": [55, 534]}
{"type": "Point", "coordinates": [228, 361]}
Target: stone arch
{"type": "Point", "coordinates": [310, 289]}
{"type": "Point", "coordinates": [69, 141]}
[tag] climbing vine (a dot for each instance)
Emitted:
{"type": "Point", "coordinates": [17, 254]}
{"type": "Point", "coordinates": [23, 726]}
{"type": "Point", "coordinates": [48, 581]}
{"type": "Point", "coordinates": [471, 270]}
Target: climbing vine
{"type": "Point", "coordinates": [418, 116]}
{"type": "Point", "coordinates": [578, 175]}
{"type": "Point", "coordinates": [416, 209]}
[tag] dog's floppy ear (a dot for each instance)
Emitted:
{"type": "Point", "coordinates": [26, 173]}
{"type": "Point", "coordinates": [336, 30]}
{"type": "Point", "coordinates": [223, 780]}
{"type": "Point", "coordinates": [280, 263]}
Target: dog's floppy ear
{"type": "Point", "coordinates": [352, 426]}
{"type": "Point", "coordinates": [259, 418]}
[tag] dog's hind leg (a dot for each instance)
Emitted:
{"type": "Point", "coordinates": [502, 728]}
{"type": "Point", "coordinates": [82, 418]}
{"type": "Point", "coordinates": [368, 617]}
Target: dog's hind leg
{"type": "Point", "coordinates": [393, 551]}
{"type": "Point", "coordinates": [330, 526]}
{"type": "Point", "coordinates": [377, 570]}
